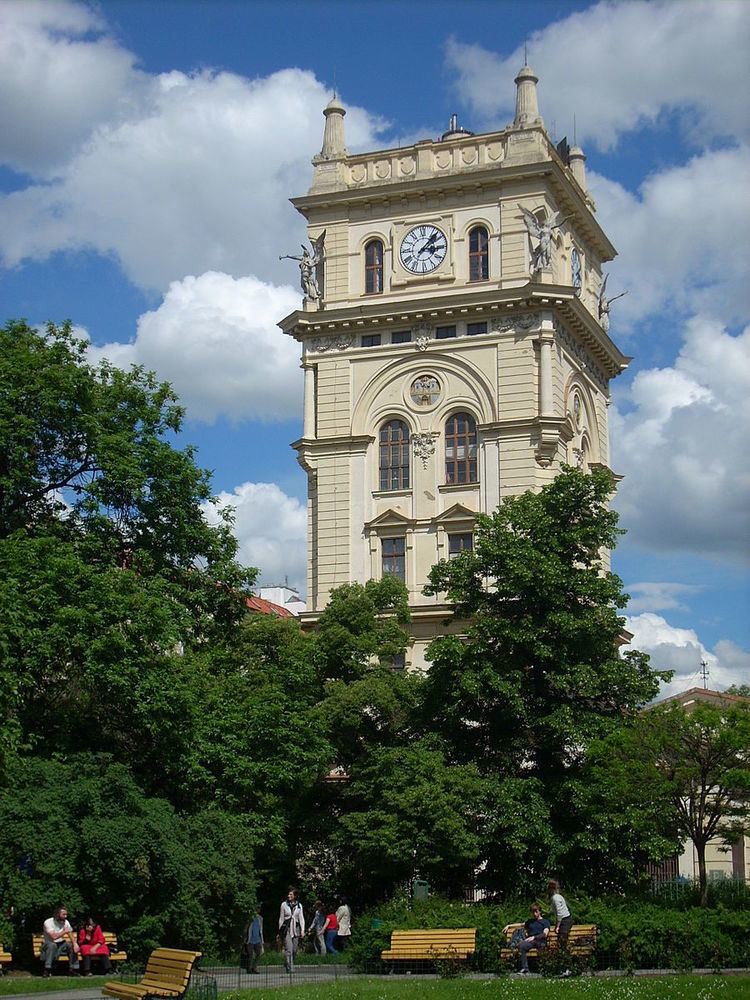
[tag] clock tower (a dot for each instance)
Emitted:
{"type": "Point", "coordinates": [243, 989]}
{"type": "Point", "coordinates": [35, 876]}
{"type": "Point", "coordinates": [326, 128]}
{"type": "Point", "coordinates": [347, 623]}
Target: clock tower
{"type": "Point", "coordinates": [452, 344]}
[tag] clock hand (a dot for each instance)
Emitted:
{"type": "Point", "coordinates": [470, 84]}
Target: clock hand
{"type": "Point", "coordinates": [428, 246]}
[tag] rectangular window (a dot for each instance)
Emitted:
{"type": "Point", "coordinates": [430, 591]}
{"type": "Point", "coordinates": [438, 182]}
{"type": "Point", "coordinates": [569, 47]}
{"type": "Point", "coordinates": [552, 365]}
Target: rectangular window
{"type": "Point", "coordinates": [401, 337]}
{"type": "Point", "coordinates": [475, 329]}
{"type": "Point", "coordinates": [399, 661]}
{"type": "Point", "coordinates": [371, 340]}
{"type": "Point", "coordinates": [394, 557]}
{"type": "Point", "coordinates": [445, 332]}
{"type": "Point", "coordinates": [460, 543]}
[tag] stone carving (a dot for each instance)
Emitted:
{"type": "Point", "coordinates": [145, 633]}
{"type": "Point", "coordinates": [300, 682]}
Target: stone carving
{"type": "Point", "coordinates": [521, 321]}
{"type": "Point", "coordinates": [425, 390]}
{"type": "Point", "coordinates": [336, 342]}
{"type": "Point", "coordinates": [310, 268]}
{"type": "Point", "coordinates": [605, 303]}
{"type": "Point", "coordinates": [421, 335]}
{"type": "Point", "coordinates": [424, 445]}
{"type": "Point", "coordinates": [578, 454]}
{"type": "Point", "coordinates": [541, 254]}
{"type": "Point", "coordinates": [582, 356]}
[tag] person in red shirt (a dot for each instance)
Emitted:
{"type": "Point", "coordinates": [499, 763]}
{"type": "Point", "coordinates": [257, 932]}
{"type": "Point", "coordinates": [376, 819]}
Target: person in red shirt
{"type": "Point", "coordinates": [92, 944]}
{"type": "Point", "coordinates": [330, 930]}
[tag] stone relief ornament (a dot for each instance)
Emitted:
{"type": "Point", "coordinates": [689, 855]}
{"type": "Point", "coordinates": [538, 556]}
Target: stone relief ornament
{"type": "Point", "coordinates": [425, 390]}
{"type": "Point", "coordinates": [541, 254]}
{"type": "Point", "coordinates": [335, 342]}
{"type": "Point", "coordinates": [424, 445]}
{"type": "Point", "coordinates": [522, 321]}
{"type": "Point", "coordinates": [421, 335]}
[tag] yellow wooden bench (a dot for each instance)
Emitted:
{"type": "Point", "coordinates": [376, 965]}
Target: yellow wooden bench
{"type": "Point", "coordinates": [443, 943]}
{"type": "Point", "coordinates": [167, 975]}
{"type": "Point", "coordinates": [581, 942]}
{"type": "Point", "coordinates": [5, 957]}
{"type": "Point", "coordinates": [110, 938]}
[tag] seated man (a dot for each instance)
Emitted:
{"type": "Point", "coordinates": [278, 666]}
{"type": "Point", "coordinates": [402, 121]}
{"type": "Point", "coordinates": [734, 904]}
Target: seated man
{"type": "Point", "coordinates": [536, 932]}
{"type": "Point", "coordinates": [59, 940]}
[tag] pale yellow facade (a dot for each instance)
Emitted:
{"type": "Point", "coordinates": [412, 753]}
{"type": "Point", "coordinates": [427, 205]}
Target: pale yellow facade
{"type": "Point", "coordinates": [529, 363]}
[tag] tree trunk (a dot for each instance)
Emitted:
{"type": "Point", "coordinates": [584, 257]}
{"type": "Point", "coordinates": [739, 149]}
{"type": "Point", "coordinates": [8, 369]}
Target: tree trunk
{"type": "Point", "coordinates": [702, 879]}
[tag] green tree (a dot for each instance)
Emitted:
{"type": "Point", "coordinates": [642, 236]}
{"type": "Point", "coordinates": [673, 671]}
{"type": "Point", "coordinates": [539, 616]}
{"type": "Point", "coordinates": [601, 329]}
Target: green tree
{"type": "Point", "coordinates": [108, 568]}
{"type": "Point", "coordinates": [81, 832]}
{"type": "Point", "coordinates": [682, 774]}
{"type": "Point", "coordinates": [539, 675]}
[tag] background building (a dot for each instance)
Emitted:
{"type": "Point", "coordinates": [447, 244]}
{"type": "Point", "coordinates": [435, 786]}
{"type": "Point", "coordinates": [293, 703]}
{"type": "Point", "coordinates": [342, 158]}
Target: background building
{"type": "Point", "coordinates": [454, 343]}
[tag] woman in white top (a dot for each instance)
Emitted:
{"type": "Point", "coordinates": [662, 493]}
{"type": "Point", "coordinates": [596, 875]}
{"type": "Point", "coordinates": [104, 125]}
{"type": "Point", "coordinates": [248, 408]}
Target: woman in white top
{"type": "Point", "coordinates": [564, 919]}
{"type": "Point", "coordinates": [291, 927]}
{"type": "Point", "coordinates": [344, 917]}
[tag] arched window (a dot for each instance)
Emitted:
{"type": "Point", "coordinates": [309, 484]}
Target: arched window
{"type": "Point", "coordinates": [479, 254]}
{"type": "Point", "coordinates": [394, 456]}
{"type": "Point", "coordinates": [461, 449]}
{"type": "Point", "coordinates": [374, 267]}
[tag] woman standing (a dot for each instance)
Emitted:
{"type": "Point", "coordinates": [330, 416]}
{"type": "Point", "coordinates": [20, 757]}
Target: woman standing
{"type": "Point", "coordinates": [291, 927]}
{"type": "Point", "coordinates": [316, 929]}
{"type": "Point", "coordinates": [344, 918]}
{"type": "Point", "coordinates": [562, 913]}
{"type": "Point", "coordinates": [331, 929]}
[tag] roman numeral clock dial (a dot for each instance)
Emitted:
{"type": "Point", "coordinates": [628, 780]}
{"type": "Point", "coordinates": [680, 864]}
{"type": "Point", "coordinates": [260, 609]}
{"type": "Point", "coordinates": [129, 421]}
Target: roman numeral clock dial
{"type": "Point", "coordinates": [423, 249]}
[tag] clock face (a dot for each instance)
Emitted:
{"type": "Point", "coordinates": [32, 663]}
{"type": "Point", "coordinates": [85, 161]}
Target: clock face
{"type": "Point", "coordinates": [575, 266]}
{"type": "Point", "coordinates": [423, 249]}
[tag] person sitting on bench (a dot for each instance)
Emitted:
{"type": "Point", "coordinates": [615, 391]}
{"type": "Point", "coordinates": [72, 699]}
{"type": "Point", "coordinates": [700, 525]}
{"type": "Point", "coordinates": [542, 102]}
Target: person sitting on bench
{"type": "Point", "coordinates": [92, 944]}
{"type": "Point", "coordinates": [537, 934]}
{"type": "Point", "coordinates": [59, 940]}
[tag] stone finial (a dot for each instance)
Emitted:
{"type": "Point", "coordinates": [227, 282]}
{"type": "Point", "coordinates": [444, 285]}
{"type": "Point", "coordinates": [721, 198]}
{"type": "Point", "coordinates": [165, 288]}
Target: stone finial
{"type": "Point", "coordinates": [527, 109]}
{"type": "Point", "coordinates": [334, 143]}
{"type": "Point", "coordinates": [577, 164]}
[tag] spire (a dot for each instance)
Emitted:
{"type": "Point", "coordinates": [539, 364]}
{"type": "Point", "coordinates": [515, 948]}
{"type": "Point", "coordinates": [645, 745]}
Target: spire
{"type": "Point", "coordinates": [577, 164]}
{"type": "Point", "coordinates": [334, 143]}
{"type": "Point", "coordinates": [527, 109]}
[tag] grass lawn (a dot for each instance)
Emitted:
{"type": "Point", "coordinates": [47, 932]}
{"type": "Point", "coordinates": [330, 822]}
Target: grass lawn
{"type": "Point", "coordinates": [10, 984]}
{"type": "Point", "coordinates": [665, 988]}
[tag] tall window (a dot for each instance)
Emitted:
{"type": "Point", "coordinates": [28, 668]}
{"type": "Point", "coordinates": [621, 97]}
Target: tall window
{"type": "Point", "coordinates": [461, 449]}
{"type": "Point", "coordinates": [374, 267]}
{"type": "Point", "coordinates": [394, 456]}
{"type": "Point", "coordinates": [479, 254]}
{"type": "Point", "coordinates": [394, 557]}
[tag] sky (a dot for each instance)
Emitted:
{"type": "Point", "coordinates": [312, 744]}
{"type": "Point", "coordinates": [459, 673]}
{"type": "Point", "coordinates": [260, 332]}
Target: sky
{"type": "Point", "coordinates": [148, 152]}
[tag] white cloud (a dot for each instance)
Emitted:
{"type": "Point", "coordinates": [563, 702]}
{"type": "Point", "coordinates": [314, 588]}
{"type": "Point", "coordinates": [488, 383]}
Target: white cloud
{"type": "Point", "coordinates": [618, 66]}
{"type": "Point", "coordinates": [679, 238]}
{"type": "Point", "coordinates": [682, 447]}
{"type": "Point", "coordinates": [659, 596]}
{"type": "Point", "coordinates": [271, 528]}
{"type": "Point", "coordinates": [215, 339]}
{"type": "Point", "coordinates": [188, 173]}
{"type": "Point", "coordinates": [681, 650]}
{"type": "Point", "coordinates": [59, 77]}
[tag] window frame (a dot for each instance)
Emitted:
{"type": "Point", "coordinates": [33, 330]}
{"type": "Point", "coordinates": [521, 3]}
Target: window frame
{"type": "Point", "coordinates": [462, 548]}
{"type": "Point", "coordinates": [477, 333]}
{"type": "Point", "coordinates": [375, 340]}
{"type": "Point", "coordinates": [395, 542]}
{"type": "Point", "coordinates": [455, 440]}
{"type": "Point", "coordinates": [374, 271]}
{"type": "Point", "coordinates": [441, 332]}
{"type": "Point", "coordinates": [479, 258]}
{"type": "Point", "coordinates": [398, 447]}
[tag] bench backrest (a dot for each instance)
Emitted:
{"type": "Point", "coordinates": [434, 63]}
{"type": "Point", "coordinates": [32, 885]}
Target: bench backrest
{"type": "Point", "coordinates": [462, 939]}
{"type": "Point", "coordinates": [109, 937]}
{"type": "Point", "coordinates": [581, 935]}
{"type": "Point", "coordinates": [170, 965]}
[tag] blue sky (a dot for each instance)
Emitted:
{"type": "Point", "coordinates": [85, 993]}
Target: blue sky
{"type": "Point", "coordinates": [147, 152]}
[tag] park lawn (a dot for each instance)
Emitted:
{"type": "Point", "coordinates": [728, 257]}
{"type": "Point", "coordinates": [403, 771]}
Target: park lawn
{"type": "Point", "coordinates": [10, 984]}
{"type": "Point", "coordinates": [505, 988]}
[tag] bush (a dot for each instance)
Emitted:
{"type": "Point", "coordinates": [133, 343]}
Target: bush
{"type": "Point", "coordinates": [632, 933]}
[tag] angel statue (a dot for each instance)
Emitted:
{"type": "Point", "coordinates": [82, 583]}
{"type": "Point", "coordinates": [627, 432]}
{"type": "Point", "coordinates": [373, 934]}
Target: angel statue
{"type": "Point", "coordinates": [605, 303]}
{"type": "Point", "coordinates": [541, 255]}
{"type": "Point", "coordinates": [308, 267]}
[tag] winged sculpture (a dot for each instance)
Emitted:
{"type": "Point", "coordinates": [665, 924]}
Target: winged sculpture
{"type": "Point", "coordinates": [605, 303]}
{"type": "Point", "coordinates": [541, 254]}
{"type": "Point", "coordinates": [310, 267]}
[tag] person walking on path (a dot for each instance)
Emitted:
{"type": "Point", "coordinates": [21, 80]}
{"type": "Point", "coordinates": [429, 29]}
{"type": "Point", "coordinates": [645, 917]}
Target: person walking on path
{"type": "Point", "coordinates": [331, 929]}
{"type": "Point", "coordinates": [316, 928]}
{"type": "Point", "coordinates": [344, 919]}
{"type": "Point", "coordinates": [291, 927]}
{"type": "Point", "coordinates": [254, 943]}
{"type": "Point", "coordinates": [562, 914]}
